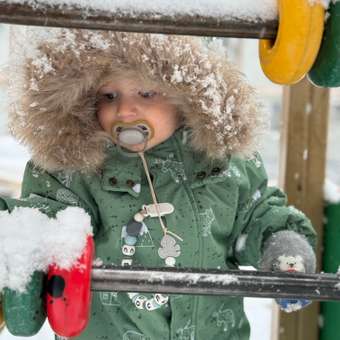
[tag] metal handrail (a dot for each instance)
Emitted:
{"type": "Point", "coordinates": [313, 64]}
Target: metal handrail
{"type": "Point", "coordinates": [73, 17]}
{"type": "Point", "coordinates": [216, 282]}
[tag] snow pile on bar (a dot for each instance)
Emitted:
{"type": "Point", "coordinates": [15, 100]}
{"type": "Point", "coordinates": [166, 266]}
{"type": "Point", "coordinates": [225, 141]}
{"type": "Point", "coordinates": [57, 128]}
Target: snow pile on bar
{"type": "Point", "coordinates": [242, 9]}
{"type": "Point", "coordinates": [193, 278]}
{"type": "Point", "coordinates": [31, 241]}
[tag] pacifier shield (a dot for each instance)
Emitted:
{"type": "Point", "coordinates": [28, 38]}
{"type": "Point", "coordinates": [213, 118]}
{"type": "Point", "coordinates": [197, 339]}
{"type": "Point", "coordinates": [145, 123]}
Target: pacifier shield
{"type": "Point", "coordinates": [132, 133]}
{"type": "Point", "coordinates": [131, 136]}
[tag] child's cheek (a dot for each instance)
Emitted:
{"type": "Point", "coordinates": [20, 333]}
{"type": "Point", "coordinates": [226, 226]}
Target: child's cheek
{"type": "Point", "coordinates": [105, 117]}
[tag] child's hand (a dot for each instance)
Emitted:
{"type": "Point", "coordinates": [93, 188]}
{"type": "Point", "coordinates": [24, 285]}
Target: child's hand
{"type": "Point", "coordinates": [301, 259]}
{"type": "Point", "coordinates": [291, 264]}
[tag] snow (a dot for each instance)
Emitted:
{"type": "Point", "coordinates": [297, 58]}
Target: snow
{"type": "Point", "coordinates": [31, 241]}
{"type": "Point", "coordinates": [245, 9]}
{"type": "Point", "coordinates": [224, 279]}
{"type": "Point", "coordinates": [305, 154]}
{"type": "Point", "coordinates": [241, 242]}
{"type": "Point", "coordinates": [331, 192]}
{"type": "Point", "coordinates": [257, 195]}
{"type": "Point", "coordinates": [98, 262]}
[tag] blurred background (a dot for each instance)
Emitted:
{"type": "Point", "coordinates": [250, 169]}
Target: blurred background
{"type": "Point", "coordinates": [242, 52]}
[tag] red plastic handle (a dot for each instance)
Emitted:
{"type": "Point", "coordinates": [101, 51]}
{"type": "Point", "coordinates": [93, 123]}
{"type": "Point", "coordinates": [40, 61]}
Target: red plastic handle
{"type": "Point", "coordinates": [69, 295]}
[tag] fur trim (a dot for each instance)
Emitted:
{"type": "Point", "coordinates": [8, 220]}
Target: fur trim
{"type": "Point", "coordinates": [56, 116]}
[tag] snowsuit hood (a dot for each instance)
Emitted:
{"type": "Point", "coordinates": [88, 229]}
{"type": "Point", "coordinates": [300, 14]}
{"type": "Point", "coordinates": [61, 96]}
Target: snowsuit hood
{"type": "Point", "coordinates": [58, 74]}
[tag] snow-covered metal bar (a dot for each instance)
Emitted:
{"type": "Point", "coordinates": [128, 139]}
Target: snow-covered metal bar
{"type": "Point", "coordinates": [215, 282]}
{"type": "Point", "coordinates": [42, 13]}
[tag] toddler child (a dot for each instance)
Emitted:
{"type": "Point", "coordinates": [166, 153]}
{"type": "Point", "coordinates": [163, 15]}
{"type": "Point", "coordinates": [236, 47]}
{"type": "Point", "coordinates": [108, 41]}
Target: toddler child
{"type": "Point", "coordinates": [155, 137]}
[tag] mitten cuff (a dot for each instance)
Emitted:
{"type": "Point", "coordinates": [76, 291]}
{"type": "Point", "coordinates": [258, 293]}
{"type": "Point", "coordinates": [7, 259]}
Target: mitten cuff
{"type": "Point", "coordinates": [288, 251]}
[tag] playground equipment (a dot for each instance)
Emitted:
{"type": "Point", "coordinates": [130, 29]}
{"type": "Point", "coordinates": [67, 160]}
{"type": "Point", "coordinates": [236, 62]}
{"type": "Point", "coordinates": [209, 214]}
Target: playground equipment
{"type": "Point", "coordinates": [68, 297]}
{"type": "Point", "coordinates": [25, 312]}
{"type": "Point", "coordinates": [70, 17]}
{"type": "Point", "coordinates": [288, 47]}
{"type": "Point", "coordinates": [331, 259]}
{"type": "Point", "coordinates": [326, 70]}
{"type": "Point", "coordinates": [214, 282]}
{"type": "Point", "coordinates": [287, 59]}
{"type": "Point", "coordinates": [64, 297]}
{"type": "Point", "coordinates": [2, 320]}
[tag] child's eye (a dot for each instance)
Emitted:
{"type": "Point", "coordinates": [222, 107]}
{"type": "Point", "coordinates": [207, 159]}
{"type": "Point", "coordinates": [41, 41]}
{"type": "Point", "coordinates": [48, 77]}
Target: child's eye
{"type": "Point", "coordinates": [110, 96]}
{"type": "Point", "coordinates": [147, 94]}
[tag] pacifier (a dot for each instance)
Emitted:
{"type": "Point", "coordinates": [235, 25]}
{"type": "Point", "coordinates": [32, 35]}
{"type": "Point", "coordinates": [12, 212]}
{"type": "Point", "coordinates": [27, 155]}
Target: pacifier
{"type": "Point", "coordinates": [132, 133]}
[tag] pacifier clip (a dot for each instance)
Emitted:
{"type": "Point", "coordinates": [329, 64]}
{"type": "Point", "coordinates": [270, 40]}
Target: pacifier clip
{"type": "Point", "coordinates": [169, 249]}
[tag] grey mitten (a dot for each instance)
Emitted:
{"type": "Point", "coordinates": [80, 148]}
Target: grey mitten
{"type": "Point", "coordinates": [289, 251]}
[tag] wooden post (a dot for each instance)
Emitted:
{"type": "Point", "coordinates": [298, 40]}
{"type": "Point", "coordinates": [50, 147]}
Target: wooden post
{"type": "Point", "coordinates": [302, 174]}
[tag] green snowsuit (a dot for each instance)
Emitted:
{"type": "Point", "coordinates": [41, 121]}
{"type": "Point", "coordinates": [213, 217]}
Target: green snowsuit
{"type": "Point", "coordinates": [224, 212]}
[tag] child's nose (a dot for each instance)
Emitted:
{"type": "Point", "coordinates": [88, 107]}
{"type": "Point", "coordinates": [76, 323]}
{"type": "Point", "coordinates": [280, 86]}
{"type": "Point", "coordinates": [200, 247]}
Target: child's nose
{"type": "Point", "coordinates": [127, 110]}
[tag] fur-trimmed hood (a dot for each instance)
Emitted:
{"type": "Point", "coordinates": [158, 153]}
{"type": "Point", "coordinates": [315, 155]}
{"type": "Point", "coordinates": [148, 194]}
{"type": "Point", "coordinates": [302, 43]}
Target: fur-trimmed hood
{"type": "Point", "coordinates": [56, 114]}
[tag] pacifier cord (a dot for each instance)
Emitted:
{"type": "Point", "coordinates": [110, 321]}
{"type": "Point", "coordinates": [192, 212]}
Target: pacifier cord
{"type": "Point", "coordinates": [154, 198]}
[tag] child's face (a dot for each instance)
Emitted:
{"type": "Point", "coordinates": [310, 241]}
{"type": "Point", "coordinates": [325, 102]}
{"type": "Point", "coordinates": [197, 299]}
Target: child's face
{"type": "Point", "coordinates": [128, 101]}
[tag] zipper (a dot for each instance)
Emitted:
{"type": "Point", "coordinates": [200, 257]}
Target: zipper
{"type": "Point", "coordinates": [199, 227]}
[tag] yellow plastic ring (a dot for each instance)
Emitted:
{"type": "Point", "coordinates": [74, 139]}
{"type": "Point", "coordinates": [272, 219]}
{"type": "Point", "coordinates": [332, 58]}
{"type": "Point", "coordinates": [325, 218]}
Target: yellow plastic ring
{"type": "Point", "coordinates": [287, 59]}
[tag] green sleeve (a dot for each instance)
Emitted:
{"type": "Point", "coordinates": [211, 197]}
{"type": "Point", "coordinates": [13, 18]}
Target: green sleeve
{"type": "Point", "coordinates": [262, 211]}
{"type": "Point", "coordinates": [42, 190]}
